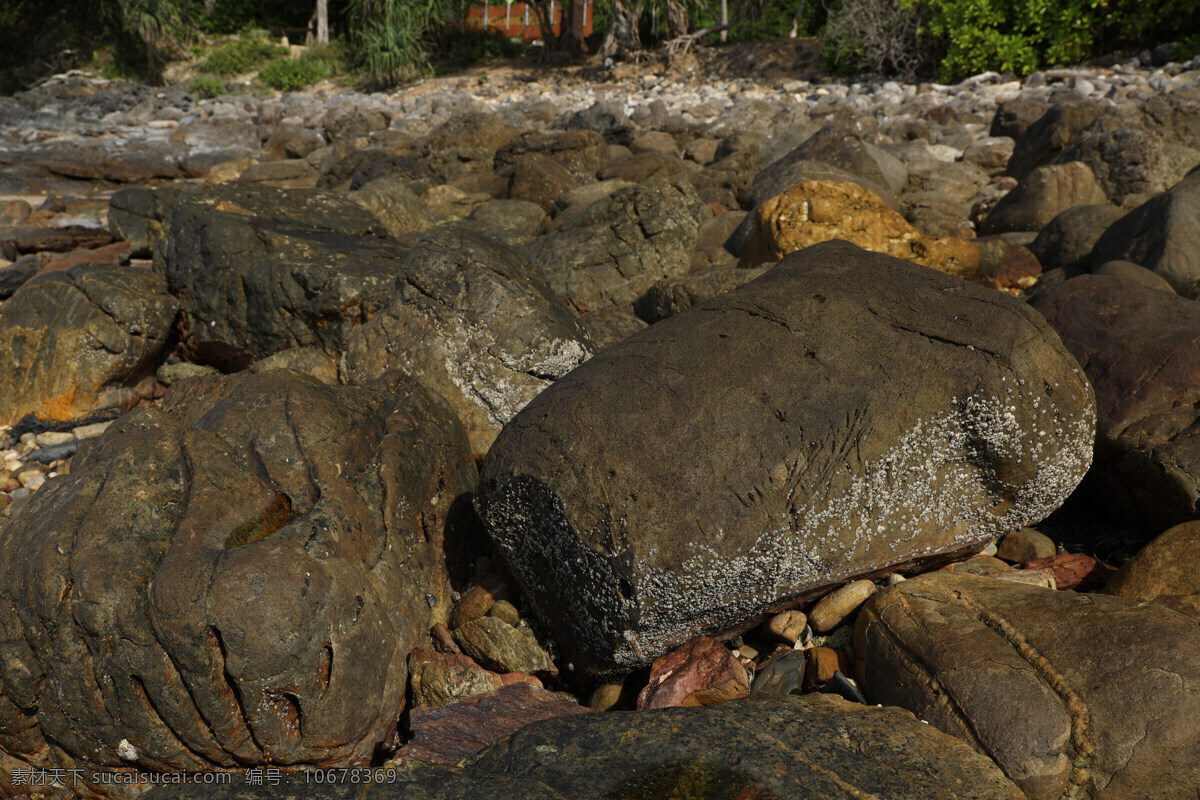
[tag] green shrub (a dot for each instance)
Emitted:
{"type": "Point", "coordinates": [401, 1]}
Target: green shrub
{"type": "Point", "coordinates": [876, 36]}
{"type": "Point", "coordinates": [290, 74]}
{"type": "Point", "coordinates": [391, 38]}
{"type": "Point", "coordinates": [244, 54]}
{"type": "Point", "coordinates": [207, 86]}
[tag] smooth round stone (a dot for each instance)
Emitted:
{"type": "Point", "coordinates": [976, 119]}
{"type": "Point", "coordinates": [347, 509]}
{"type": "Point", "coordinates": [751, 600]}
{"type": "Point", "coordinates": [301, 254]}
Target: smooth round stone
{"type": "Point", "coordinates": [833, 608]}
{"type": "Point", "coordinates": [53, 438]}
{"type": "Point", "coordinates": [473, 605]}
{"type": "Point", "coordinates": [787, 626]}
{"type": "Point", "coordinates": [1025, 545]}
{"type": "Point", "coordinates": [91, 431]}
{"type": "Point", "coordinates": [505, 611]}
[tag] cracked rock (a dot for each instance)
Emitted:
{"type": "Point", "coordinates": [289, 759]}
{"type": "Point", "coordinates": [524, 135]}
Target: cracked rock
{"type": "Point", "coordinates": [1073, 695]}
{"type": "Point", "coordinates": [842, 414]}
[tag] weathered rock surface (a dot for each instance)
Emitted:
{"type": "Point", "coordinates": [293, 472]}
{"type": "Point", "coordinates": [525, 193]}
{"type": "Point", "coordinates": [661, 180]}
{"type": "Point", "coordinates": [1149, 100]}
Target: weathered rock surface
{"type": "Point", "coordinates": [1067, 241]}
{"type": "Point", "coordinates": [582, 153]}
{"type": "Point", "coordinates": [629, 538]}
{"type": "Point", "coordinates": [1162, 235]}
{"type": "Point", "coordinates": [393, 204]}
{"type": "Point", "coordinates": [441, 678]}
{"type": "Point", "coordinates": [700, 672]}
{"type": "Point", "coordinates": [1042, 195]}
{"type": "Point", "coordinates": [81, 339]}
{"type": "Point", "coordinates": [667, 298]}
{"type": "Point", "coordinates": [810, 213]}
{"type": "Point", "coordinates": [1072, 695]}
{"type": "Point", "coordinates": [233, 579]}
{"type": "Point", "coordinates": [473, 321]}
{"type": "Point", "coordinates": [1166, 571]}
{"type": "Point", "coordinates": [138, 214]}
{"type": "Point", "coordinates": [615, 250]}
{"type": "Point", "coordinates": [1138, 348]}
{"type": "Point", "coordinates": [499, 646]}
{"type": "Point", "coordinates": [258, 269]}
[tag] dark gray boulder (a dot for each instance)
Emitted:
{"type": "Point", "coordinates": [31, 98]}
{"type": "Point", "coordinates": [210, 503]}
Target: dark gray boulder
{"type": "Point", "coordinates": [473, 321]}
{"type": "Point", "coordinates": [138, 216]}
{"type": "Point", "coordinates": [844, 414]}
{"type": "Point", "coordinates": [258, 270]}
{"type": "Point", "coordinates": [1067, 240]}
{"type": "Point", "coordinates": [615, 250]}
{"type": "Point", "coordinates": [233, 579]}
{"type": "Point", "coordinates": [1162, 235]}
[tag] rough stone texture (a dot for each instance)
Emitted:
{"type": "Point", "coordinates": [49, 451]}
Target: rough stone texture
{"type": "Point", "coordinates": [1162, 235]}
{"type": "Point", "coordinates": [724, 461]}
{"type": "Point", "coordinates": [473, 321]}
{"type": "Point", "coordinates": [805, 748]}
{"type": "Point", "coordinates": [810, 213]}
{"type": "Point", "coordinates": [259, 270]}
{"type": "Point", "coordinates": [610, 325]}
{"type": "Point", "coordinates": [1042, 195]}
{"type": "Point", "coordinates": [81, 339]}
{"type": "Point", "coordinates": [620, 245]}
{"type": "Point", "coordinates": [395, 205]}
{"type": "Point", "coordinates": [518, 218]}
{"type": "Point", "coordinates": [539, 179]}
{"type": "Point", "coordinates": [666, 298]}
{"type": "Point", "coordinates": [13, 276]}
{"type": "Point", "coordinates": [1072, 695]}
{"type": "Point", "coordinates": [233, 579]}
{"type": "Point", "coordinates": [1138, 346]}
{"type": "Point", "coordinates": [308, 360]}
{"type": "Point", "coordinates": [581, 153]}
{"type": "Point", "coordinates": [700, 672]}
{"type": "Point", "coordinates": [1165, 571]}
{"type": "Point", "coordinates": [777, 178]}
{"type": "Point", "coordinates": [450, 733]}
{"type": "Point", "coordinates": [441, 678]}
{"type": "Point", "coordinates": [39, 239]}
{"type": "Point", "coordinates": [647, 166]}
{"type": "Point", "coordinates": [137, 215]}
{"type": "Point", "coordinates": [1047, 137]}
{"type": "Point", "coordinates": [1067, 240]}
{"type": "Point", "coordinates": [499, 646]}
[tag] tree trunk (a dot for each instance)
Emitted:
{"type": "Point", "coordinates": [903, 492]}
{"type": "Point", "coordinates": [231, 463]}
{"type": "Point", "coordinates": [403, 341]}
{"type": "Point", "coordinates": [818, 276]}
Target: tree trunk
{"type": "Point", "coordinates": [322, 21]}
{"type": "Point", "coordinates": [209, 7]}
{"type": "Point", "coordinates": [677, 19]}
{"type": "Point", "coordinates": [622, 38]}
{"type": "Point", "coordinates": [725, 19]}
{"type": "Point", "coordinates": [796, 19]}
{"type": "Point", "coordinates": [152, 76]}
{"type": "Point", "coordinates": [571, 36]}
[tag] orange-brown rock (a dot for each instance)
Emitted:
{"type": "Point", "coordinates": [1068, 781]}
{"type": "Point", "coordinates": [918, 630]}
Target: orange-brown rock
{"type": "Point", "coordinates": [1072, 570]}
{"type": "Point", "coordinates": [819, 211]}
{"type": "Point", "coordinates": [1166, 571]}
{"type": "Point", "coordinates": [700, 672]}
{"type": "Point", "coordinates": [441, 678]}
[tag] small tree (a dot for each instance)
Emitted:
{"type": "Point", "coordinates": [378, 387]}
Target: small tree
{"type": "Point", "coordinates": [390, 35]}
{"type": "Point", "coordinates": [153, 21]}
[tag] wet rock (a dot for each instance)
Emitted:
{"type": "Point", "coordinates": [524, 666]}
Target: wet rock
{"type": "Point", "coordinates": [701, 672]}
{"type": "Point", "coordinates": [1067, 240]}
{"type": "Point", "coordinates": [81, 339]}
{"type": "Point", "coordinates": [780, 676]}
{"type": "Point", "coordinates": [1015, 672]}
{"type": "Point", "coordinates": [1042, 195]}
{"type": "Point", "coordinates": [258, 269]}
{"type": "Point", "coordinates": [472, 320]}
{"type": "Point", "coordinates": [810, 213]}
{"type": "Point", "coordinates": [497, 645]}
{"type": "Point", "coordinates": [450, 733]}
{"type": "Point", "coordinates": [1162, 235]}
{"type": "Point", "coordinates": [1164, 571]}
{"type": "Point", "coordinates": [1137, 345]}
{"type": "Point", "coordinates": [247, 566]}
{"type": "Point", "coordinates": [631, 549]}
{"type": "Point", "coordinates": [616, 249]}
{"type": "Point", "coordinates": [438, 679]}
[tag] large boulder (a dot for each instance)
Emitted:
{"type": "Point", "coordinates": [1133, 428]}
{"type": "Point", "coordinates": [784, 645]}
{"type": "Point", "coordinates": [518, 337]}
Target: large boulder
{"type": "Point", "coordinates": [1166, 571]}
{"type": "Point", "coordinates": [1072, 695]}
{"type": "Point", "coordinates": [474, 322]}
{"type": "Point", "coordinates": [820, 211]}
{"type": "Point", "coordinates": [234, 579]}
{"type": "Point", "coordinates": [1137, 345]}
{"type": "Point", "coordinates": [582, 153]}
{"type": "Point", "coordinates": [81, 339]}
{"type": "Point", "coordinates": [1067, 240]}
{"type": "Point", "coordinates": [258, 270]}
{"type": "Point", "coordinates": [1162, 235]}
{"type": "Point", "coordinates": [811, 747]}
{"type": "Point", "coordinates": [615, 250]}
{"type": "Point", "coordinates": [844, 414]}
{"type": "Point", "coordinates": [1042, 195]}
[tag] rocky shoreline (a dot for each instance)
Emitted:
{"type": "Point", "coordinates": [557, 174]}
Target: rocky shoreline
{"type": "Point", "coordinates": [697, 429]}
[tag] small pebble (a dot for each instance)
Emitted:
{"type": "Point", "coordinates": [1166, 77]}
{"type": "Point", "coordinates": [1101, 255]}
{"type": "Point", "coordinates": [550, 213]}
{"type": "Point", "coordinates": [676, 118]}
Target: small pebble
{"type": "Point", "coordinates": [473, 605]}
{"type": "Point", "coordinates": [787, 626]}
{"type": "Point", "coordinates": [506, 611]}
{"type": "Point", "coordinates": [833, 608]}
{"type": "Point", "coordinates": [1025, 545]}
{"type": "Point", "coordinates": [91, 431]}
{"type": "Point", "coordinates": [52, 438]}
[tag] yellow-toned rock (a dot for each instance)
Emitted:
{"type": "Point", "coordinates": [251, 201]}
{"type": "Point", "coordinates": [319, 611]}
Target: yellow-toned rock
{"type": "Point", "coordinates": [818, 211]}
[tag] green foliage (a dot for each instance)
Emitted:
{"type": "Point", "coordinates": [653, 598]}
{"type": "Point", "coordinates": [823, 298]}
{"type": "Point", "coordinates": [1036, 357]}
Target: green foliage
{"type": "Point", "coordinates": [391, 37]}
{"type": "Point", "coordinates": [291, 74]}
{"type": "Point", "coordinates": [240, 16]}
{"type": "Point", "coordinates": [1024, 35]}
{"type": "Point", "coordinates": [243, 54]}
{"type": "Point", "coordinates": [207, 86]}
{"type": "Point", "coordinates": [1189, 48]}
